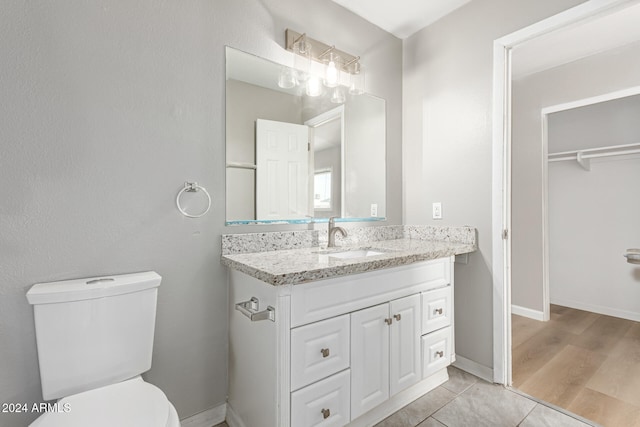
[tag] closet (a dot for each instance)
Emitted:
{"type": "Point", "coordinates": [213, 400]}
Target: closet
{"type": "Point", "coordinates": [594, 207]}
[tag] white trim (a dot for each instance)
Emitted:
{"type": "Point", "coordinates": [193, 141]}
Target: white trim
{"type": "Point", "coordinates": [233, 420]}
{"type": "Point", "coordinates": [546, 308]}
{"type": "Point", "coordinates": [527, 312]}
{"type": "Point", "coordinates": [474, 368]}
{"type": "Point", "coordinates": [600, 309]}
{"type": "Point", "coordinates": [207, 418]}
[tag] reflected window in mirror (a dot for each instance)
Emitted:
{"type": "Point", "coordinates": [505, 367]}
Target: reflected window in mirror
{"type": "Point", "coordinates": [322, 190]}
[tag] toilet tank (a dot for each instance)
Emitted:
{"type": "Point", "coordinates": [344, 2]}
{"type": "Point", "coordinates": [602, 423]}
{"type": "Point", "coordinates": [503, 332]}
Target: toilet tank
{"type": "Point", "coordinates": [93, 332]}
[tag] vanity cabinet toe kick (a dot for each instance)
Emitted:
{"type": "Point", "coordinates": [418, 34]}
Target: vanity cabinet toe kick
{"type": "Point", "coordinates": [342, 351]}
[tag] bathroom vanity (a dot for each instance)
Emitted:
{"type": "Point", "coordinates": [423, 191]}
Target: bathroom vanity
{"type": "Point", "coordinates": [337, 337]}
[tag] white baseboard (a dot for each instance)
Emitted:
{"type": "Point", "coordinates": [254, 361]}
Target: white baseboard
{"type": "Point", "coordinates": [474, 368]}
{"type": "Point", "coordinates": [527, 312]}
{"type": "Point", "coordinates": [609, 311]}
{"type": "Point", "coordinates": [207, 418]}
{"type": "Point", "coordinates": [233, 420]}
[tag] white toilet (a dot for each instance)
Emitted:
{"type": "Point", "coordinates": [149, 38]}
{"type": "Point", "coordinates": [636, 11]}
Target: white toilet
{"type": "Point", "coordinates": [95, 338]}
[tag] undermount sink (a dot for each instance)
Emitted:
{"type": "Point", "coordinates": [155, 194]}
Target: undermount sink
{"type": "Point", "coordinates": [360, 253]}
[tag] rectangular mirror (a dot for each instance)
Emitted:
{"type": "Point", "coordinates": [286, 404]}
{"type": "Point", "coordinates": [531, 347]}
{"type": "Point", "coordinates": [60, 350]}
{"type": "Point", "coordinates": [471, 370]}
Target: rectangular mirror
{"type": "Point", "coordinates": [292, 157]}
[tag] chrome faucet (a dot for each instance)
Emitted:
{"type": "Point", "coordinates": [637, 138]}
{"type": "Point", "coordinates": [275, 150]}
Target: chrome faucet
{"type": "Point", "coordinates": [333, 230]}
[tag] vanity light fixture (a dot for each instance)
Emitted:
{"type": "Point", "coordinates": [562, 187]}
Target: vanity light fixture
{"type": "Point", "coordinates": [335, 64]}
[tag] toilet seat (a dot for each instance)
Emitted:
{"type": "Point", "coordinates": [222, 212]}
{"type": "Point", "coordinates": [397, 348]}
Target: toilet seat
{"type": "Point", "coordinates": [133, 403]}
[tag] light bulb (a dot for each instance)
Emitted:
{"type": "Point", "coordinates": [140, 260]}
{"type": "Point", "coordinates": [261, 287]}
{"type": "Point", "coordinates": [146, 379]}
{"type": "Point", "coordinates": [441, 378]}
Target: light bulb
{"type": "Point", "coordinates": [314, 87]}
{"type": "Point", "coordinates": [332, 70]}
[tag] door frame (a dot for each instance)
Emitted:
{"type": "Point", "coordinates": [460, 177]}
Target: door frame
{"type": "Point", "coordinates": [501, 171]}
{"type": "Point", "coordinates": [336, 113]}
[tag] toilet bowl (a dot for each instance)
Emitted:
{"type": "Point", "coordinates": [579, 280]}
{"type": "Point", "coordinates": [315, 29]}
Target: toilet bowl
{"type": "Point", "coordinates": [131, 403]}
{"type": "Point", "coordinates": [94, 339]}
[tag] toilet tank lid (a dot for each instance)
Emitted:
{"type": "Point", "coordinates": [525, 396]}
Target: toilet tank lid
{"type": "Point", "coordinates": [92, 287]}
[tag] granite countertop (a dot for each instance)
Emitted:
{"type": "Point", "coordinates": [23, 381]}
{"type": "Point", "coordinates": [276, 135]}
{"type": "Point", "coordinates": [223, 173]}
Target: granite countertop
{"type": "Point", "coordinates": [296, 266]}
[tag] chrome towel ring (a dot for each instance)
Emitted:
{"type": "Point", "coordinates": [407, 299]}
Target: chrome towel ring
{"type": "Point", "coordinates": [192, 187]}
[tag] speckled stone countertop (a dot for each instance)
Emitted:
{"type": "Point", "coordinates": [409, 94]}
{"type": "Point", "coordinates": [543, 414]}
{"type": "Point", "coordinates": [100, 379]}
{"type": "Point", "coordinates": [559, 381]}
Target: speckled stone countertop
{"type": "Point", "coordinates": [296, 266]}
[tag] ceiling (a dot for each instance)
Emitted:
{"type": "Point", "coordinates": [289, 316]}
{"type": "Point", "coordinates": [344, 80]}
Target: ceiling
{"type": "Point", "coordinates": [401, 18]}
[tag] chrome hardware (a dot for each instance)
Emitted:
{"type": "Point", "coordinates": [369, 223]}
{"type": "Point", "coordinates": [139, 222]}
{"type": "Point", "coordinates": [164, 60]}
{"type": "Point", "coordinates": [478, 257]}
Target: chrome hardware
{"type": "Point", "coordinates": [440, 353]}
{"type": "Point", "coordinates": [94, 281]}
{"type": "Point", "coordinates": [397, 317]}
{"type": "Point", "coordinates": [192, 187]}
{"type": "Point", "coordinates": [250, 309]}
{"type": "Point", "coordinates": [388, 321]}
{"type": "Point", "coordinates": [325, 413]}
{"type": "Point", "coordinates": [325, 352]}
{"type": "Point", "coordinates": [438, 311]}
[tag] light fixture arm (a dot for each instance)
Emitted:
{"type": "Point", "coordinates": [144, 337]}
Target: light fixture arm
{"type": "Point", "coordinates": [319, 49]}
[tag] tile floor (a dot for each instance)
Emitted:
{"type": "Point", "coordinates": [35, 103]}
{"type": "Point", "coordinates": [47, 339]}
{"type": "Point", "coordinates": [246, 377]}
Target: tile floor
{"type": "Point", "coordinates": [467, 401]}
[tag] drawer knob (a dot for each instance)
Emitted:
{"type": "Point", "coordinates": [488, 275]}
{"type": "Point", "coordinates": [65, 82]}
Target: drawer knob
{"type": "Point", "coordinates": [325, 352]}
{"type": "Point", "coordinates": [440, 353]}
{"type": "Point", "coordinates": [388, 321]}
{"type": "Point", "coordinates": [438, 310]}
{"type": "Point", "coordinates": [325, 413]}
{"type": "Point", "coordinates": [397, 317]}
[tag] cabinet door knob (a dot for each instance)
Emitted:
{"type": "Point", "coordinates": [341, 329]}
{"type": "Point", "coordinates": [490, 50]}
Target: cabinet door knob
{"type": "Point", "coordinates": [438, 310]}
{"type": "Point", "coordinates": [440, 353]}
{"type": "Point", "coordinates": [325, 413]}
{"type": "Point", "coordinates": [388, 321]}
{"type": "Point", "coordinates": [325, 352]}
{"type": "Point", "coordinates": [397, 316]}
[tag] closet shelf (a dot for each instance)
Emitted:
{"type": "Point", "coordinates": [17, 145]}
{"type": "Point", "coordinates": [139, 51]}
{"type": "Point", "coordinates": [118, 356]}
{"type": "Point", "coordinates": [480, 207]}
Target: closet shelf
{"type": "Point", "coordinates": [583, 156]}
{"type": "Point", "coordinates": [239, 165]}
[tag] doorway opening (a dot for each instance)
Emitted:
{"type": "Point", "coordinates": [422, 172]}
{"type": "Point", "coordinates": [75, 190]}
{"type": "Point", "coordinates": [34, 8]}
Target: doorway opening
{"type": "Point", "coordinates": [504, 235]}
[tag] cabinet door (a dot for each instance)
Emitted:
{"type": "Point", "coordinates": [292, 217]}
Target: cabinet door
{"type": "Point", "coordinates": [404, 352]}
{"type": "Point", "coordinates": [369, 358]}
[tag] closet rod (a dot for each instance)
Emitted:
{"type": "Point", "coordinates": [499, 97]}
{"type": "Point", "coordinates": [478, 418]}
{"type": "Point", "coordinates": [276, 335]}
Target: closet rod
{"type": "Point", "coordinates": [583, 156]}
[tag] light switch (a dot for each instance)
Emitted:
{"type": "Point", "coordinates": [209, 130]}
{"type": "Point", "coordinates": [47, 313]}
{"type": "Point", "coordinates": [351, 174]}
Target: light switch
{"type": "Point", "coordinates": [437, 210]}
{"type": "Point", "coordinates": [374, 209]}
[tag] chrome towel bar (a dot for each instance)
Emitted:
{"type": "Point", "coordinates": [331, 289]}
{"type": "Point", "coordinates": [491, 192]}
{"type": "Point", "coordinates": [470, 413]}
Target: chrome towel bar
{"type": "Point", "coordinates": [250, 309]}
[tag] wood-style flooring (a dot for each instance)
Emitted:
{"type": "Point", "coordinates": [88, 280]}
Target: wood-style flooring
{"type": "Point", "coordinates": [584, 362]}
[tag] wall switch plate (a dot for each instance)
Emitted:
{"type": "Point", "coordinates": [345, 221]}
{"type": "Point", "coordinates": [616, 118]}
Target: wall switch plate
{"type": "Point", "coordinates": [374, 209]}
{"type": "Point", "coordinates": [437, 210]}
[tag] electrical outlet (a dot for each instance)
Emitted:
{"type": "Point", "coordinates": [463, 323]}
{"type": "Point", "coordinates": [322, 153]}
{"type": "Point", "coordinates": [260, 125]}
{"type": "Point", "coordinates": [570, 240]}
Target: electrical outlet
{"type": "Point", "coordinates": [374, 209]}
{"type": "Point", "coordinates": [437, 210]}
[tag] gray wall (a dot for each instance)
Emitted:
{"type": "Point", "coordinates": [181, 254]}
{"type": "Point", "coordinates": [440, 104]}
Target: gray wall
{"type": "Point", "coordinates": [447, 102]}
{"type": "Point", "coordinates": [364, 150]}
{"type": "Point", "coordinates": [107, 108]}
{"type": "Point", "coordinates": [596, 75]}
{"type": "Point", "coordinates": [614, 122]}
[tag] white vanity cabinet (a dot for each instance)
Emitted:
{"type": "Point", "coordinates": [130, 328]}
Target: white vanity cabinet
{"type": "Point", "coordinates": [348, 350]}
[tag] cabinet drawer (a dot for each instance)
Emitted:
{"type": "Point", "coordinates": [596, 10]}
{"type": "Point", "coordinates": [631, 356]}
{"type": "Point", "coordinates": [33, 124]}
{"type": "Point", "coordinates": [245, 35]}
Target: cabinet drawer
{"type": "Point", "coordinates": [324, 403]}
{"type": "Point", "coordinates": [319, 350]}
{"type": "Point", "coordinates": [436, 351]}
{"type": "Point", "coordinates": [436, 309]}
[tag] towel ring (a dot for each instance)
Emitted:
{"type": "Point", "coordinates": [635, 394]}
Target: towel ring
{"type": "Point", "coordinates": [192, 187]}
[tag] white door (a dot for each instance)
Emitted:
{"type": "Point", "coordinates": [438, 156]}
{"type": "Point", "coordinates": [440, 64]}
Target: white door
{"type": "Point", "coordinates": [282, 170]}
{"type": "Point", "coordinates": [369, 359]}
{"type": "Point", "coordinates": [404, 350]}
